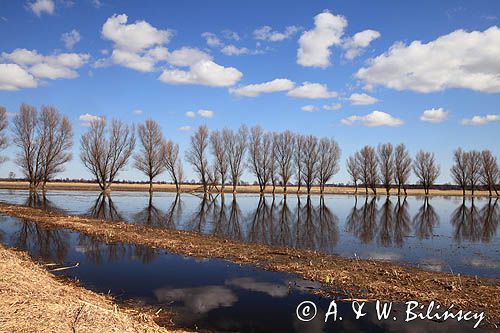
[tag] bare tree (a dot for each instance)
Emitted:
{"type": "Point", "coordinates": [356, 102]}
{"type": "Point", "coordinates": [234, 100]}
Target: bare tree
{"type": "Point", "coordinates": [284, 145]}
{"type": "Point", "coordinates": [3, 136]}
{"type": "Point", "coordinates": [269, 145]}
{"type": "Point", "coordinates": [354, 171]}
{"type": "Point", "coordinates": [260, 159]}
{"type": "Point", "coordinates": [490, 174]}
{"type": "Point", "coordinates": [386, 158]}
{"type": "Point", "coordinates": [105, 150]}
{"type": "Point", "coordinates": [474, 169]}
{"type": "Point", "coordinates": [221, 162]}
{"type": "Point", "coordinates": [402, 170]}
{"type": "Point", "coordinates": [235, 145]}
{"type": "Point", "coordinates": [173, 163]}
{"type": "Point", "coordinates": [150, 159]}
{"type": "Point", "coordinates": [309, 161]}
{"type": "Point", "coordinates": [297, 158]}
{"type": "Point", "coordinates": [328, 161]}
{"type": "Point", "coordinates": [426, 169]}
{"type": "Point", "coordinates": [45, 141]}
{"type": "Point", "coordinates": [197, 155]}
{"type": "Point", "coordinates": [459, 170]}
{"type": "Point", "coordinates": [368, 163]}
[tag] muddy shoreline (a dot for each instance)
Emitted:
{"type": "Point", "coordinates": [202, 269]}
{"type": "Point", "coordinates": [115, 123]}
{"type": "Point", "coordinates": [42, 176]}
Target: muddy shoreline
{"type": "Point", "coordinates": [367, 279]}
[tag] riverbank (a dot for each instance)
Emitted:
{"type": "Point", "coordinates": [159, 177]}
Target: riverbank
{"type": "Point", "coordinates": [356, 278]}
{"type": "Point", "coordinates": [191, 188]}
{"type": "Point", "coordinates": [33, 300]}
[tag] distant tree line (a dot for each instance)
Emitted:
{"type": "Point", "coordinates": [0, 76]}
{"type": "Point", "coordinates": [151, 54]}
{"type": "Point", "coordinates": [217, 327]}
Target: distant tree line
{"type": "Point", "coordinates": [44, 139]}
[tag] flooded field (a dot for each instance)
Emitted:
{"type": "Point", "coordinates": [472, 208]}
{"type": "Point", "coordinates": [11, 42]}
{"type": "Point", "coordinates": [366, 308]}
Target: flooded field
{"type": "Point", "coordinates": [439, 233]}
{"type": "Point", "coordinates": [205, 294]}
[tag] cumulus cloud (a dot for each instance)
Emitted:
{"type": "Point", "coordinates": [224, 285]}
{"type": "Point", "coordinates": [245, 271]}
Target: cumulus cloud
{"type": "Point", "coordinates": [190, 114]}
{"type": "Point", "coordinates": [205, 72]}
{"type": "Point", "coordinates": [332, 107]}
{"type": "Point", "coordinates": [266, 33]}
{"type": "Point", "coordinates": [231, 50]}
{"type": "Point", "coordinates": [312, 90]}
{"type": "Point", "coordinates": [481, 120]}
{"type": "Point", "coordinates": [355, 45]}
{"type": "Point", "coordinates": [87, 118]}
{"type": "Point", "coordinates": [186, 56]}
{"type": "Point", "coordinates": [184, 128]}
{"type": "Point", "coordinates": [232, 35]}
{"type": "Point", "coordinates": [205, 113]}
{"type": "Point", "coordinates": [314, 45]}
{"type": "Point", "coordinates": [309, 108]}
{"type": "Point", "coordinates": [376, 118]}
{"type": "Point", "coordinates": [39, 7]}
{"type": "Point", "coordinates": [211, 39]}
{"type": "Point", "coordinates": [14, 77]}
{"type": "Point", "coordinates": [29, 66]}
{"type": "Point", "coordinates": [460, 59]}
{"type": "Point", "coordinates": [434, 115]}
{"type": "Point", "coordinates": [362, 99]}
{"type": "Point", "coordinates": [254, 90]}
{"type": "Point", "coordinates": [138, 112]}
{"type": "Point", "coordinates": [70, 38]}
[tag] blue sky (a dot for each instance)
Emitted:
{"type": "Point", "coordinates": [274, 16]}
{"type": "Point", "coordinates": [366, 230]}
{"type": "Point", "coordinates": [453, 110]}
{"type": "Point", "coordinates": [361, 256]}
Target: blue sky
{"type": "Point", "coordinates": [361, 59]}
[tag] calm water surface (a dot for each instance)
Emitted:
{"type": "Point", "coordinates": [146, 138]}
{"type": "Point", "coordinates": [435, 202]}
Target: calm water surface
{"type": "Point", "coordinates": [441, 233]}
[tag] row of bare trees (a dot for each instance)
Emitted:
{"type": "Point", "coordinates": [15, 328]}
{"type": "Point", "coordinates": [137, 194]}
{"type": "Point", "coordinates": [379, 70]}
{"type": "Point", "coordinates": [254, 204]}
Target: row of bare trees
{"type": "Point", "coordinates": [44, 139]}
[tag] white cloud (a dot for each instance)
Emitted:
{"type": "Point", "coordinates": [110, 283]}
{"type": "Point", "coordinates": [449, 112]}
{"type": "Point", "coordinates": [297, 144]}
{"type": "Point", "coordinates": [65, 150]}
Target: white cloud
{"type": "Point", "coordinates": [138, 112]}
{"type": "Point", "coordinates": [228, 34]}
{"type": "Point", "coordinates": [187, 56]}
{"type": "Point", "coordinates": [362, 99]}
{"type": "Point", "coordinates": [312, 90]}
{"type": "Point", "coordinates": [14, 77]}
{"type": "Point", "coordinates": [253, 90]}
{"type": "Point", "coordinates": [190, 114]}
{"type": "Point", "coordinates": [460, 59]}
{"type": "Point", "coordinates": [70, 38]}
{"type": "Point", "coordinates": [355, 45]}
{"type": "Point", "coordinates": [266, 33]}
{"type": "Point", "coordinates": [231, 50]}
{"type": "Point", "coordinates": [481, 120]}
{"type": "Point", "coordinates": [314, 50]}
{"type": "Point", "coordinates": [434, 115]}
{"type": "Point", "coordinates": [212, 39]}
{"type": "Point", "coordinates": [309, 108]}
{"type": "Point", "coordinates": [205, 113]}
{"type": "Point", "coordinates": [184, 128]}
{"type": "Point", "coordinates": [87, 118]}
{"type": "Point", "coordinates": [332, 107]}
{"type": "Point", "coordinates": [39, 7]}
{"type": "Point", "coordinates": [376, 118]}
{"type": "Point", "coordinates": [204, 72]}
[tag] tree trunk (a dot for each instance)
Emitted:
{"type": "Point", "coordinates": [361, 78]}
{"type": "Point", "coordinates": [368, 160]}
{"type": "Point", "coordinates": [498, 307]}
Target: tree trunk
{"type": "Point", "coordinates": [150, 185]}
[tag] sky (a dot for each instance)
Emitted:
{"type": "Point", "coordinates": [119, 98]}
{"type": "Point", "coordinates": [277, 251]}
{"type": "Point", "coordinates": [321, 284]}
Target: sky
{"type": "Point", "coordinates": [423, 73]}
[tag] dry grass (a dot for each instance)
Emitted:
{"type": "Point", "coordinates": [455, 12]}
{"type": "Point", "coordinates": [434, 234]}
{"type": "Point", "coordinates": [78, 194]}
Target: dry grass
{"type": "Point", "coordinates": [33, 300]}
{"type": "Point", "coordinates": [188, 188]}
{"type": "Point", "coordinates": [352, 277]}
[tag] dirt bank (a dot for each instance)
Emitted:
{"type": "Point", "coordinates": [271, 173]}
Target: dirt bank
{"type": "Point", "coordinates": [33, 300]}
{"type": "Point", "coordinates": [367, 279]}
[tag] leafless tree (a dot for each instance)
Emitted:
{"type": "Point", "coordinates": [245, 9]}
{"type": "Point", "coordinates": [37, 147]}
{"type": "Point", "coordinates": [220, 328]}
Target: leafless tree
{"type": "Point", "coordinates": [402, 169]}
{"type": "Point", "coordinates": [297, 158]}
{"type": "Point", "coordinates": [197, 155]}
{"type": "Point", "coordinates": [386, 158]}
{"type": "Point", "coordinates": [474, 169]}
{"type": "Point", "coordinates": [150, 159]}
{"type": "Point", "coordinates": [45, 140]}
{"type": "Point", "coordinates": [3, 136]}
{"type": "Point", "coordinates": [309, 161]}
{"type": "Point", "coordinates": [173, 163]}
{"type": "Point", "coordinates": [236, 145]}
{"type": "Point", "coordinates": [260, 151]}
{"type": "Point", "coordinates": [426, 169]}
{"type": "Point", "coordinates": [221, 155]}
{"type": "Point", "coordinates": [368, 164]}
{"type": "Point", "coordinates": [269, 141]}
{"type": "Point", "coordinates": [328, 161]}
{"type": "Point", "coordinates": [490, 174]}
{"type": "Point", "coordinates": [354, 171]}
{"type": "Point", "coordinates": [284, 145]}
{"type": "Point", "coordinates": [105, 150]}
{"type": "Point", "coordinates": [459, 170]}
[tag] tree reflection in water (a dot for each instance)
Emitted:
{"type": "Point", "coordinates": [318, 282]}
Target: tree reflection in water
{"type": "Point", "coordinates": [362, 222]}
{"type": "Point", "coordinates": [152, 216]}
{"type": "Point", "coordinates": [425, 220]}
{"type": "Point", "coordinates": [475, 225]}
{"type": "Point", "coordinates": [402, 222]}
{"type": "Point", "coordinates": [104, 209]}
